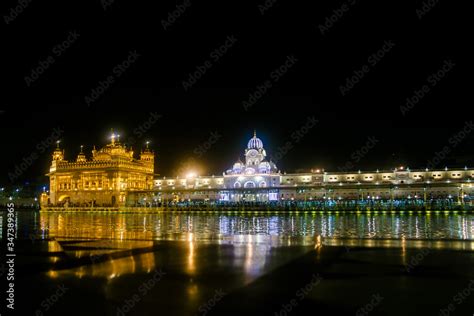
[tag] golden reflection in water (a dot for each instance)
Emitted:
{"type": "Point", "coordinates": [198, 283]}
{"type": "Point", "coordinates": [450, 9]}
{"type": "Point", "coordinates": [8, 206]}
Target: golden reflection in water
{"type": "Point", "coordinates": [164, 225]}
{"type": "Point", "coordinates": [191, 266]}
{"type": "Point", "coordinates": [95, 226]}
{"type": "Point", "coordinates": [404, 251]}
{"type": "Point", "coordinates": [113, 268]}
{"type": "Point", "coordinates": [318, 243]}
{"type": "Point", "coordinates": [52, 274]}
{"type": "Point", "coordinates": [54, 246]}
{"type": "Point", "coordinates": [251, 238]}
{"type": "Point", "coordinates": [192, 290]}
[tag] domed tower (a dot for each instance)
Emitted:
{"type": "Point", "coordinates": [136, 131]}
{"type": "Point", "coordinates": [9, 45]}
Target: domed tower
{"type": "Point", "coordinates": [255, 153]}
{"type": "Point", "coordinates": [147, 158]}
{"type": "Point", "coordinates": [147, 155]}
{"type": "Point", "coordinates": [58, 154]}
{"type": "Point", "coordinates": [81, 157]}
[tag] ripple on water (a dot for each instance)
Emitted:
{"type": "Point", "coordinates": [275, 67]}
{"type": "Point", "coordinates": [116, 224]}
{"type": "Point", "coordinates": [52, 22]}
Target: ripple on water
{"type": "Point", "coordinates": [179, 226]}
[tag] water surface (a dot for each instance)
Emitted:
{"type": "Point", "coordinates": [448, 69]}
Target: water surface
{"type": "Point", "coordinates": [300, 228]}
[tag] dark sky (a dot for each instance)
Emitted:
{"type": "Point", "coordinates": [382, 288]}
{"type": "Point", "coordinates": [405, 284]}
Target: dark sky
{"type": "Point", "coordinates": [319, 63]}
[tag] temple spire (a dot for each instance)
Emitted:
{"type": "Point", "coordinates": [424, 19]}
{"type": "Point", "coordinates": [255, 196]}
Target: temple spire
{"type": "Point", "coordinates": [254, 133]}
{"type": "Point", "coordinates": [112, 137]}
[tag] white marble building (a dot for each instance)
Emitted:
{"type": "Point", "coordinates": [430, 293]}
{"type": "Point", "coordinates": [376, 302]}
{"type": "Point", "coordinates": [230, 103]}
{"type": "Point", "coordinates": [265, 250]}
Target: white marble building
{"type": "Point", "coordinates": [258, 179]}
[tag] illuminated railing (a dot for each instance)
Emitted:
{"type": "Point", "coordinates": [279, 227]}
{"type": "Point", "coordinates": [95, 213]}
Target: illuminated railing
{"type": "Point", "coordinates": [128, 165]}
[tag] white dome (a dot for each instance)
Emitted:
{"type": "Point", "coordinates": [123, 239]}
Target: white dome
{"type": "Point", "coordinates": [255, 143]}
{"type": "Point", "coordinates": [237, 166]}
{"type": "Point", "coordinates": [264, 166]}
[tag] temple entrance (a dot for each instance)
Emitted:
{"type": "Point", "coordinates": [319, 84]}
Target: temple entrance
{"type": "Point", "coordinates": [249, 184]}
{"type": "Point", "coordinates": [64, 200]}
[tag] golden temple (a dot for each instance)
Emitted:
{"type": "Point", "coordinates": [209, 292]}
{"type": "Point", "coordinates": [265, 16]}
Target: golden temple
{"type": "Point", "coordinates": [104, 179]}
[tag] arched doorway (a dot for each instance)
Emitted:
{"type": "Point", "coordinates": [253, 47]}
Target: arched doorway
{"type": "Point", "coordinates": [64, 200]}
{"type": "Point", "coordinates": [249, 184]}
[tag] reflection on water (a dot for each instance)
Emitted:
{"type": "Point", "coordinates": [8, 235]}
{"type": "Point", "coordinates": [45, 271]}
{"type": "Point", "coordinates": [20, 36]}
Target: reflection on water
{"type": "Point", "coordinates": [299, 228]}
{"type": "Point", "coordinates": [290, 228]}
{"type": "Point", "coordinates": [120, 244]}
{"type": "Point", "coordinates": [112, 268]}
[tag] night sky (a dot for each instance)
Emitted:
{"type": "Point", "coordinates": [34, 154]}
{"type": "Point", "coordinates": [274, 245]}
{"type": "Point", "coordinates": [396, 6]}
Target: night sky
{"type": "Point", "coordinates": [319, 58]}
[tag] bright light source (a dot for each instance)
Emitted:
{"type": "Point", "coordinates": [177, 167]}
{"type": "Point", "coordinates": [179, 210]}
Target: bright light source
{"type": "Point", "coordinates": [191, 175]}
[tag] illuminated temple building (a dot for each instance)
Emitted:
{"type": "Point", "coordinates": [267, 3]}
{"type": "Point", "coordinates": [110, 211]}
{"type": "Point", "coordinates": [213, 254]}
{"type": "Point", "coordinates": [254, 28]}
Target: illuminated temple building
{"type": "Point", "coordinates": [103, 180]}
{"type": "Point", "coordinates": [258, 180]}
{"type": "Point", "coordinates": [114, 177]}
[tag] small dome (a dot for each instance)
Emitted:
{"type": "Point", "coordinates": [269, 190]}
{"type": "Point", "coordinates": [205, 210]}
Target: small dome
{"type": "Point", "coordinates": [249, 170]}
{"type": "Point", "coordinates": [237, 165]}
{"type": "Point", "coordinates": [264, 167]}
{"type": "Point", "coordinates": [255, 142]}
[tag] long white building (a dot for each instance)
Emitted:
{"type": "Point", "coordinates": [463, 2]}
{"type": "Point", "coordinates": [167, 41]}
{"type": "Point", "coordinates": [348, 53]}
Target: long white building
{"type": "Point", "coordinates": [258, 179]}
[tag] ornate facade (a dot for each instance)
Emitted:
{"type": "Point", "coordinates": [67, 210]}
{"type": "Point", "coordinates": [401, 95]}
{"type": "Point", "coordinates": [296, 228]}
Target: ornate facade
{"type": "Point", "coordinates": [114, 177]}
{"type": "Point", "coordinates": [103, 180]}
{"type": "Point", "coordinates": [255, 172]}
{"type": "Point", "coordinates": [256, 179]}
